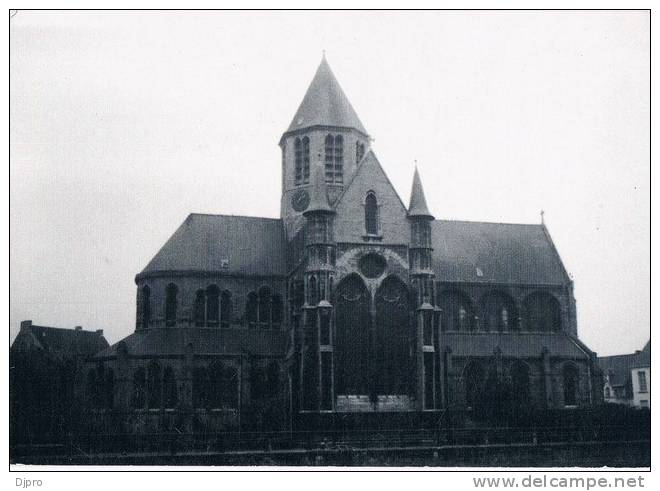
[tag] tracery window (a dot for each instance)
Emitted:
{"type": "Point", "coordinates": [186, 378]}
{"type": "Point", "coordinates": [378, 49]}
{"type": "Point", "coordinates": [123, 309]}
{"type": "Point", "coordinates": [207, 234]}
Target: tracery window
{"type": "Point", "coordinates": [170, 304]}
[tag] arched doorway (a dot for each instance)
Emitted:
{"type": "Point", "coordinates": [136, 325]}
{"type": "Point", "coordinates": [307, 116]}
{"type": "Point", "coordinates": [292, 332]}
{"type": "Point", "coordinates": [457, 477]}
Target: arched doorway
{"type": "Point", "coordinates": [352, 345]}
{"type": "Point", "coordinates": [393, 338]}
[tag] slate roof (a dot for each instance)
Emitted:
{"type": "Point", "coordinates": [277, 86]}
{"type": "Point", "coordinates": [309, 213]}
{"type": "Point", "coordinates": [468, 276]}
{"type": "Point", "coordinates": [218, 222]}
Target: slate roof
{"type": "Point", "coordinates": [482, 252]}
{"type": "Point", "coordinates": [514, 344]}
{"type": "Point", "coordinates": [59, 342]}
{"type": "Point", "coordinates": [205, 341]}
{"type": "Point", "coordinates": [325, 104]}
{"type": "Point", "coordinates": [618, 367]}
{"type": "Point", "coordinates": [224, 243]}
{"type": "Point", "coordinates": [463, 251]}
{"type": "Point", "coordinates": [418, 207]}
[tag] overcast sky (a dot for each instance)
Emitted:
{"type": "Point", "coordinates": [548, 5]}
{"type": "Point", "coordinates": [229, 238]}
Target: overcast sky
{"type": "Point", "coordinates": [123, 123]}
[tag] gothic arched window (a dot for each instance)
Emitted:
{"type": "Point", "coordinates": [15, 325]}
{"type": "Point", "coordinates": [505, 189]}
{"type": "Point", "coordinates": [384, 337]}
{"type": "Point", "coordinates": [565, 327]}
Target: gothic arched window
{"type": "Point", "coordinates": [313, 292]}
{"type": "Point", "coordinates": [170, 304]}
{"type": "Point", "coordinates": [371, 214]}
{"type": "Point", "coordinates": [251, 309]}
{"type": "Point", "coordinates": [170, 393]}
{"type": "Point", "coordinates": [200, 308]}
{"type": "Point", "coordinates": [542, 312]}
{"type": "Point", "coordinates": [264, 306]}
{"type": "Point", "coordinates": [457, 312]}
{"type": "Point", "coordinates": [499, 312]}
{"type": "Point", "coordinates": [200, 387]}
{"type": "Point", "coordinates": [212, 306]}
{"type": "Point", "coordinates": [473, 377]}
{"type": "Point", "coordinates": [154, 385]}
{"type": "Point", "coordinates": [225, 309]}
{"type": "Point", "coordinates": [334, 158]}
{"type": "Point", "coordinates": [520, 382]}
{"type": "Point", "coordinates": [138, 398]}
{"type": "Point", "coordinates": [305, 160]}
{"type": "Point", "coordinates": [570, 382]}
{"type": "Point", "coordinates": [146, 306]}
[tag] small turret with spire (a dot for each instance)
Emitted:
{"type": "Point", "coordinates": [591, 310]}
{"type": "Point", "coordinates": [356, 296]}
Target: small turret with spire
{"type": "Point", "coordinates": [319, 276]}
{"type": "Point", "coordinates": [421, 279]}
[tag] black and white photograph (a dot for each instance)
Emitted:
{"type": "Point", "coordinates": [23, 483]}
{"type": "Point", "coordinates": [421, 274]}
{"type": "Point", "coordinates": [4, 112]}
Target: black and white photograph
{"type": "Point", "coordinates": [341, 240]}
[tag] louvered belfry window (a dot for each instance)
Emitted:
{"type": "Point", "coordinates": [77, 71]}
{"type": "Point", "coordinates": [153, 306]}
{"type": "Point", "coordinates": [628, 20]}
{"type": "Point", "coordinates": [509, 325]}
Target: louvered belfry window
{"type": "Point", "coordinates": [334, 159]}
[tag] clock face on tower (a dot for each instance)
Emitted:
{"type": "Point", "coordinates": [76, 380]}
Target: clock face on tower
{"type": "Point", "coordinates": [300, 200]}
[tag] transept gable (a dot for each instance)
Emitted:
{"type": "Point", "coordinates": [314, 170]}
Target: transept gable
{"type": "Point", "coordinates": [351, 206]}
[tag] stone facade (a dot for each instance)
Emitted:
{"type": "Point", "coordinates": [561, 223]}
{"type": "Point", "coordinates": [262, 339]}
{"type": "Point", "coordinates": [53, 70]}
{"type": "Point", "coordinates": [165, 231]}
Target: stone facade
{"type": "Point", "coordinates": [350, 302]}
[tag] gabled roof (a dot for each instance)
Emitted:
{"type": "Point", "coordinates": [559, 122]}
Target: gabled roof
{"type": "Point", "coordinates": [369, 163]}
{"type": "Point", "coordinates": [617, 369]}
{"type": "Point", "coordinates": [226, 244]}
{"type": "Point", "coordinates": [370, 176]}
{"type": "Point", "coordinates": [59, 342]}
{"type": "Point", "coordinates": [480, 252]}
{"type": "Point", "coordinates": [325, 104]}
{"type": "Point", "coordinates": [418, 207]}
{"type": "Point", "coordinates": [204, 341]}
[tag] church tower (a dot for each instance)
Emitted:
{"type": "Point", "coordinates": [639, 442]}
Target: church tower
{"type": "Point", "coordinates": [326, 128]}
{"type": "Point", "coordinates": [421, 279]}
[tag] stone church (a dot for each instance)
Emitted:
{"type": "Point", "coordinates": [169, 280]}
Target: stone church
{"type": "Point", "coordinates": [350, 302]}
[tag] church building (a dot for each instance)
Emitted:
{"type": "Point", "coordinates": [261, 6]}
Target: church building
{"type": "Point", "coordinates": [352, 301]}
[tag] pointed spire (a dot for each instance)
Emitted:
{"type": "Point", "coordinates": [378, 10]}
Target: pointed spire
{"type": "Point", "coordinates": [418, 207]}
{"type": "Point", "coordinates": [325, 104]}
{"type": "Point", "coordinates": [319, 192]}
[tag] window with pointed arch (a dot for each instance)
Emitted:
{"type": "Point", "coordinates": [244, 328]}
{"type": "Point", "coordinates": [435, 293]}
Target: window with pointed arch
{"type": "Point", "coordinates": [252, 309]}
{"type": "Point", "coordinates": [171, 293]}
{"type": "Point", "coordinates": [570, 378]}
{"type": "Point", "coordinates": [225, 309]}
{"type": "Point", "coordinates": [139, 396]}
{"type": "Point", "coordinates": [301, 156]}
{"type": "Point", "coordinates": [520, 384]}
{"type": "Point", "coordinates": [201, 387]}
{"type": "Point", "coordinates": [334, 159]}
{"type": "Point", "coordinates": [313, 296]}
{"type": "Point", "coordinates": [154, 386]}
{"type": "Point", "coordinates": [170, 392]}
{"type": "Point", "coordinates": [264, 306]}
{"type": "Point", "coordinates": [200, 308]}
{"type": "Point", "coordinates": [371, 213]}
{"type": "Point", "coordinates": [145, 305]}
{"type": "Point", "coordinates": [212, 306]}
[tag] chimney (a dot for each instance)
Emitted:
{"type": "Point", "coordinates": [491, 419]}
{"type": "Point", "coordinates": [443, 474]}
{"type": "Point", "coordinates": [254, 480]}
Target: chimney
{"type": "Point", "coordinates": [25, 325]}
{"type": "Point", "coordinates": [78, 328]}
{"type": "Point", "coordinates": [99, 332]}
